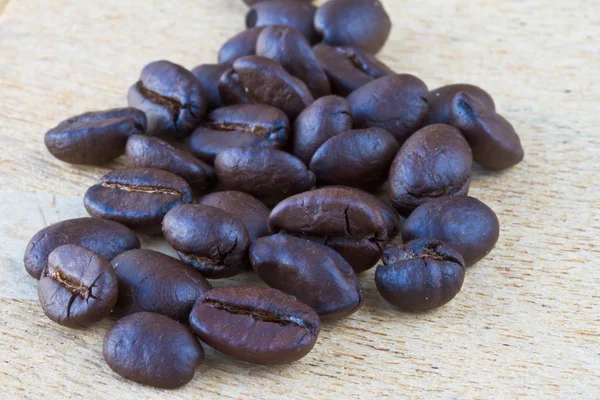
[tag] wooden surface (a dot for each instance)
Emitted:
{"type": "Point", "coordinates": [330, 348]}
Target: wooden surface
{"type": "Point", "coordinates": [527, 321]}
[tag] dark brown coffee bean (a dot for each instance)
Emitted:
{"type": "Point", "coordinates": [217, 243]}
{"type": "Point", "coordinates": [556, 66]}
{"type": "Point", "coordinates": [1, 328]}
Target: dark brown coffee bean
{"type": "Point", "coordinates": [357, 23]}
{"type": "Point", "coordinates": [232, 90]}
{"type": "Point", "coordinates": [463, 223]}
{"type": "Point", "coordinates": [137, 197]}
{"type": "Point", "coordinates": [295, 14]}
{"type": "Point", "coordinates": [107, 238]}
{"type": "Point", "coordinates": [493, 140]}
{"type": "Point", "coordinates": [420, 275]}
{"type": "Point", "coordinates": [153, 350]}
{"type": "Point", "coordinates": [94, 138]}
{"type": "Point", "coordinates": [359, 158]}
{"type": "Point", "coordinates": [172, 98]}
{"type": "Point", "coordinates": [78, 287]}
{"type": "Point", "coordinates": [362, 254]}
{"type": "Point", "coordinates": [396, 103]}
{"type": "Point", "coordinates": [209, 75]}
{"type": "Point", "coordinates": [434, 162]}
{"type": "Point", "coordinates": [154, 282]}
{"type": "Point", "coordinates": [209, 239]}
{"type": "Point", "coordinates": [440, 101]}
{"type": "Point", "coordinates": [315, 274]}
{"type": "Point", "coordinates": [241, 45]}
{"type": "Point", "coordinates": [259, 325]}
{"type": "Point", "coordinates": [150, 152]}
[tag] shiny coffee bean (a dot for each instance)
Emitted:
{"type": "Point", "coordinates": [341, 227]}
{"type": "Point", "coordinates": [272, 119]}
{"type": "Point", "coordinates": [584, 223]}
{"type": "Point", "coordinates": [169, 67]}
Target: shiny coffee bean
{"type": "Point", "coordinates": [153, 350]}
{"type": "Point", "coordinates": [95, 138]}
{"type": "Point", "coordinates": [209, 75]}
{"type": "Point", "coordinates": [434, 162]}
{"type": "Point", "coordinates": [295, 14]}
{"type": "Point", "coordinates": [209, 239]}
{"type": "Point", "coordinates": [269, 175]}
{"type": "Point", "coordinates": [440, 101]}
{"type": "Point", "coordinates": [463, 223]}
{"type": "Point", "coordinates": [314, 274]}
{"type": "Point", "coordinates": [356, 23]}
{"type": "Point", "coordinates": [78, 287]}
{"type": "Point", "coordinates": [172, 98]}
{"type": "Point", "coordinates": [154, 282]}
{"type": "Point", "coordinates": [259, 325]}
{"type": "Point", "coordinates": [421, 275]}
{"type": "Point", "coordinates": [493, 140]}
{"type": "Point", "coordinates": [107, 238]}
{"type": "Point", "coordinates": [137, 197]}
{"type": "Point", "coordinates": [241, 45]}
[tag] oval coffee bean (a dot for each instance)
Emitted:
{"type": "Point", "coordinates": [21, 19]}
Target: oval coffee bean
{"type": "Point", "coordinates": [420, 275]}
{"type": "Point", "coordinates": [107, 238]}
{"type": "Point", "coordinates": [268, 174]}
{"type": "Point", "coordinates": [315, 274]}
{"type": "Point", "coordinates": [137, 197]}
{"type": "Point", "coordinates": [241, 45]}
{"type": "Point", "coordinates": [434, 162]}
{"type": "Point", "coordinates": [95, 138]}
{"type": "Point", "coordinates": [264, 326]}
{"type": "Point", "coordinates": [493, 140]}
{"type": "Point", "coordinates": [440, 101]}
{"type": "Point", "coordinates": [153, 350]}
{"type": "Point", "coordinates": [357, 23]}
{"type": "Point", "coordinates": [78, 287]}
{"type": "Point", "coordinates": [359, 158]}
{"type": "Point", "coordinates": [463, 223]}
{"type": "Point", "coordinates": [151, 152]}
{"type": "Point", "coordinates": [208, 75]}
{"type": "Point", "coordinates": [295, 14]}
{"type": "Point", "coordinates": [154, 282]}
{"type": "Point", "coordinates": [209, 239]}
{"type": "Point", "coordinates": [396, 103]}
{"type": "Point", "coordinates": [172, 98]}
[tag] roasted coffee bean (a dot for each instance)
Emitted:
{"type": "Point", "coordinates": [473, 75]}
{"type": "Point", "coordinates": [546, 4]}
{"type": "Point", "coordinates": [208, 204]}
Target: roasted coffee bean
{"type": "Point", "coordinates": [240, 125]}
{"type": "Point", "coordinates": [153, 350]}
{"type": "Point", "coordinates": [359, 158]}
{"type": "Point", "coordinates": [420, 275]}
{"type": "Point", "coordinates": [232, 90]}
{"type": "Point", "coordinates": [209, 239]}
{"type": "Point", "coordinates": [209, 75]}
{"type": "Point", "coordinates": [288, 47]}
{"type": "Point", "coordinates": [241, 45]}
{"type": "Point", "coordinates": [78, 287]}
{"type": "Point", "coordinates": [150, 152]}
{"type": "Point", "coordinates": [357, 23]}
{"type": "Point", "coordinates": [172, 98]}
{"type": "Point", "coordinates": [154, 282]}
{"type": "Point", "coordinates": [463, 223]}
{"type": "Point", "coordinates": [107, 238]}
{"type": "Point", "coordinates": [137, 197]}
{"type": "Point", "coordinates": [295, 14]}
{"type": "Point", "coordinates": [315, 274]}
{"type": "Point", "coordinates": [396, 103]}
{"type": "Point", "coordinates": [493, 140]}
{"type": "Point", "coordinates": [349, 68]}
{"type": "Point", "coordinates": [434, 162]}
{"type": "Point", "coordinates": [259, 325]}
{"type": "Point", "coordinates": [95, 138]}
{"type": "Point", "coordinates": [268, 174]}
{"type": "Point", "coordinates": [440, 101]}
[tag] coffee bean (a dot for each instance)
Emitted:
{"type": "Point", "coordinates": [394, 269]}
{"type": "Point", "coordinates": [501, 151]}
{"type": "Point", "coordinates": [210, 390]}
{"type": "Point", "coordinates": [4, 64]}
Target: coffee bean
{"type": "Point", "coordinates": [420, 275]}
{"type": "Point", "coordinates": [349, 68]}
{"type": "Point", "coordinates": [440, 101]}
{"type": "Point", "coordinates": [232, 90]}
{"type": "Point", "coordinates": [209, 239]}
{"type": "Point", "coordinates": [315, 274]}
{"type": "Point", "coordinates": [357, 23]}
{"type": "Point", "coordinates": [240, 125]}
{"type": "Point", "coordinates": [208, 75]}
{"type": "Point", "coordinates": [107, 238]}
{"type": "Point", "coordinates": [172, 98]}
{"type": "Point", "coordinates": [463, 223]}
{"type": "Point", "coordinates": [434, 162]}
{"type": "Point", "coordinates": [493, 140]}
{"type": "Point", "coordinates": [150, 152]}
{"type": "Point", "coordinates": [153, 350]}
{"type": "Point", "coordinates": [137, 197]}
{"type": "Point", "coordinates": [288, 47]}
{"type": "Point", "coordinates": [94, 138]}
{"type": "Point", "coordinates": [396, 103]}
{"type": "Point", "coordinates": [78, 287]}
{"type": "Point", "coordinates": [268, 174]}
{"type": "Point", "coordinates": [241, 45]}
{"type": "Point", "coordinates": [359, 158]}
{"type": "Point", "coordinates": [259, 325]}
{"type": "Point", "coordinates": [295, 14]}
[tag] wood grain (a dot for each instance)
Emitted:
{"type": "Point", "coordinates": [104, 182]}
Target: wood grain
{"type": "Point", "coordinates": [526, 323]}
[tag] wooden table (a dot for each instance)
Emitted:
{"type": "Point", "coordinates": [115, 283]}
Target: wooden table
{"type": "Point", "coordinates": [527, 321]}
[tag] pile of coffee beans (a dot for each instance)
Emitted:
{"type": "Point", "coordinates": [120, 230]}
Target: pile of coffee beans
{"type": "Point", "coordinates": [269, 161]}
